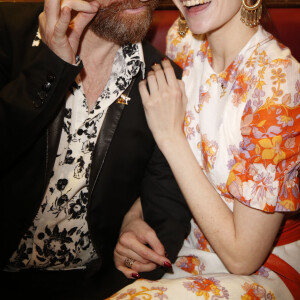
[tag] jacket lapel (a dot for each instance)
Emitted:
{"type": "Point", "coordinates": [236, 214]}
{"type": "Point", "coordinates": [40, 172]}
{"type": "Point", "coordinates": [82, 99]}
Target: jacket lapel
{"type": "Point", "coordinates": [53, 137]}
{"type": "Point", "coordinates": [106, 134]}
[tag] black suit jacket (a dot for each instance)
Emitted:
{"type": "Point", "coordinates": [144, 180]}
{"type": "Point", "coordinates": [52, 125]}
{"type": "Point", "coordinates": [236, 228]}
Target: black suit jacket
{"type": "Point", "coordinates": [126, 162]}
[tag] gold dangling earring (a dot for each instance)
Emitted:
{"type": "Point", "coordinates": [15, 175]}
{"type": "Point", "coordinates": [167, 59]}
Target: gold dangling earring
{"type": "Point", "coordinates": [182, 25]}
{"type": "Point", "coordinates": [251, 14]}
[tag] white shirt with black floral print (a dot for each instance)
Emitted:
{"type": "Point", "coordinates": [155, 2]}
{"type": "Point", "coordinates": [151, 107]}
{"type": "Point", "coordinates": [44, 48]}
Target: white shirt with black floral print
{"type": "Point", "coordinates": [59, 236]}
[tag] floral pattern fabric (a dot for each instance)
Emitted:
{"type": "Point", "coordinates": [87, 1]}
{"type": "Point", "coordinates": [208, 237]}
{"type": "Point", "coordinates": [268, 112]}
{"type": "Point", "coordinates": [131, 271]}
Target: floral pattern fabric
{"type": "Point", "coordinates": [243, 126]}
{"type": "Point", "coordinates": [217, 286]}
{"type": "Point", "coordinates": [59, 236]}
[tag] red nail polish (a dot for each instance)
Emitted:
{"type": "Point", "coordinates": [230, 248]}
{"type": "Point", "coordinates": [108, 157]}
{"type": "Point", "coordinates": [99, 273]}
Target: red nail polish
{"type": "Point", "coordinates": [167, 264]}
{"type": "Point", "coordinates": [135, 275]}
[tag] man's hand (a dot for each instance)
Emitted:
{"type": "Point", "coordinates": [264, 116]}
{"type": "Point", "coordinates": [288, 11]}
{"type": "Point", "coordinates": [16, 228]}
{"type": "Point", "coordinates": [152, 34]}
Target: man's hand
{"type": "Point", "coordinates": [139, 242]}
{"type": "Point", "coordinates": [61, 33]}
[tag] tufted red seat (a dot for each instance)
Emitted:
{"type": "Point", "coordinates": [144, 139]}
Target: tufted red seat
{"type": "Point", "coordinates": [285, 27]}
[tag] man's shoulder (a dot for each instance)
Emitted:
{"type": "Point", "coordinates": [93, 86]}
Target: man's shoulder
{"type": "Point", "coordinates": [153, 55]}
{"type": "Point", "coordinates": [24, 7]}
{"type": "Point", "coordinates": [16, 14]}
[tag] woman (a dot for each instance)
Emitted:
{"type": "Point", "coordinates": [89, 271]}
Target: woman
{"type": "Point", "coordinates": [242, 127]}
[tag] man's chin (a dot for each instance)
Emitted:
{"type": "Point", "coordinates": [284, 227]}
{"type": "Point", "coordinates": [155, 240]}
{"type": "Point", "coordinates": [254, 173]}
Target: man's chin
{"type": "Point", "coordinates": [123, 28]}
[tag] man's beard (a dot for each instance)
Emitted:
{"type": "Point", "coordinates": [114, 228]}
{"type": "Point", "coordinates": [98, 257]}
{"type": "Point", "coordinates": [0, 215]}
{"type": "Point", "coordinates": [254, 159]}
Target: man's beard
{"type": "Point", "coordinates": [113, 24]}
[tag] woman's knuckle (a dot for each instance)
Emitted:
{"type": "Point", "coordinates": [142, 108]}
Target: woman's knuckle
{"type": "Point", "coordinates": [177, 94]}
{"type": "Point", "coordinates": [123, 238]}
{"type": "Point", "coordinates": [117, 248]}
{"type": "Point", "coordinates": [145, 253]}
{"type": "Point", "coordinates": [119, 267]}
{"type": "Point", "coordinates": [165, 94]}
{"type": "Point", "coordinates": [149, 234]}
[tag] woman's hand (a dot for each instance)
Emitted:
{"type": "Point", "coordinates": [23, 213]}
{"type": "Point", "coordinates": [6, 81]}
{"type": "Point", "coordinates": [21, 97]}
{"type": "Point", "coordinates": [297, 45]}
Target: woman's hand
{"type": "Point", "coordinates": [61, 33]}
{"type": "Point", "coordinates": [138, 241]}
{"type": "Point", "coordinates": [164, 103]}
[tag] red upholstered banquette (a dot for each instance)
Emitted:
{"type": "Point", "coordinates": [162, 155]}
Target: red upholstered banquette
{"type": "Point", "coordinates": [285, 27]}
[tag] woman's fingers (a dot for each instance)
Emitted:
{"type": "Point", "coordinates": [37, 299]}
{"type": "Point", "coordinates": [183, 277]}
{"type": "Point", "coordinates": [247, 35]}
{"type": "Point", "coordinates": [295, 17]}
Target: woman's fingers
{"type": "Point", "coordinates": [136, 269]}
{"type": "Point", "coordinates": [129, 242]}
{"type": "Point", "coordinates": [125, 251]}
{"type": "Point", "coordinates": [138, 241]}
{"type": "Point", "coordinates": [138, 265]}
{"type": "Point", "coordinates": [169, 73]}
{"type": "Point", "coordinates": [144, 90]}
{"type": "Point", "coordinates": [161, 80]}
{"type": "Point", "coordinates": [164, 103]}
{"type": "Point", "coordinates": [160, 77]}
{"type": "Point", "coordinates": [165, 76]}
{"type": "Point", "coordinates": [133, 245]}
{"type": "Point", "coordinates": [182, 88]}
{"type": "Point", "coordinates": [152, 83]}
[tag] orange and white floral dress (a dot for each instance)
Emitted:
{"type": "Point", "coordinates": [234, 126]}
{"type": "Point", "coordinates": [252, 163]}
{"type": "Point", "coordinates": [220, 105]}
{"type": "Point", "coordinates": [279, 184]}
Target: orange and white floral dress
{"type": "Point", "coordinates": [243, 126]}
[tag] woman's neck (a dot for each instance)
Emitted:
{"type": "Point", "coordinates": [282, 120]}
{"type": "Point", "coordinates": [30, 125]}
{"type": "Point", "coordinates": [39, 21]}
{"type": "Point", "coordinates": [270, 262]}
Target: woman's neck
{"type": "Point", "coordinates": [227, 41]}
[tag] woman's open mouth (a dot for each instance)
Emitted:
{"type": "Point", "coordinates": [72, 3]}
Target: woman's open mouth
{"type": "Point", "coordinates": [196, 5]}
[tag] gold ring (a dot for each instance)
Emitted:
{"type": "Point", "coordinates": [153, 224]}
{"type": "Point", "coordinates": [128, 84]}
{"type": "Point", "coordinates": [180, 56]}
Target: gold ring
{"type": "Point", "coordinates": [128, 262]}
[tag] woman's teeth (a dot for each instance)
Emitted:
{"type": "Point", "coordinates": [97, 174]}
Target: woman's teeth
{"type": "Point", "coordinates": [190, 3]}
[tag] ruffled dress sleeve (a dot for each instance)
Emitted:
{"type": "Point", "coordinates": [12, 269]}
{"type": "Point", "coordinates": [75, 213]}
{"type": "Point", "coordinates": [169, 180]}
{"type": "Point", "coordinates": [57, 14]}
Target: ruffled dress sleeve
{"type": "Point", "coordinates": [265, 175]}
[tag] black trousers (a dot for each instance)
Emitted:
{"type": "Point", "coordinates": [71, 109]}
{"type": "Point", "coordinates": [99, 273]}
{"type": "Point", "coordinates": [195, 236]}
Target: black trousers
{"type": "Point", "coordinates": [62, 285]}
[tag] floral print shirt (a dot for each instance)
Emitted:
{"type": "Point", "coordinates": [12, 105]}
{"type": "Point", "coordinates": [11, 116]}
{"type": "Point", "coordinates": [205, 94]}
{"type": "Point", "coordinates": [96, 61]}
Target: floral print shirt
{"type": "Point", "coordinates": [243, 126]}
{"type": "Point", "coordinates": [59, 236]}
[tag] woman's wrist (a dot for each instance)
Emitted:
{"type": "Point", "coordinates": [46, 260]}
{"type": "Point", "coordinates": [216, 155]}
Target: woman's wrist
{"type": "Point", "coordinates": [168, 144]}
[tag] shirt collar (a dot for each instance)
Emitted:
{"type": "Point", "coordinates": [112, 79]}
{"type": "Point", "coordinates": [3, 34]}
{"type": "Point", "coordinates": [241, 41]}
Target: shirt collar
{"type": "Point", "coordinates": [134, 58]}
{"type": "Point", "coordinates": [141, 53]}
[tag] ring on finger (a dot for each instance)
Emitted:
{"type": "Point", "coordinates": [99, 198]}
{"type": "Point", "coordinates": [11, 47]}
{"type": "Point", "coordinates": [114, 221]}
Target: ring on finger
{"type": "Point", "coordinates": [128, 262]}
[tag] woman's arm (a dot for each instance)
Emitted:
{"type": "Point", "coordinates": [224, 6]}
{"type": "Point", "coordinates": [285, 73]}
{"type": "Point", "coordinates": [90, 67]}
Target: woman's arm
{"type": "Point", "coordinates": [242, 238]}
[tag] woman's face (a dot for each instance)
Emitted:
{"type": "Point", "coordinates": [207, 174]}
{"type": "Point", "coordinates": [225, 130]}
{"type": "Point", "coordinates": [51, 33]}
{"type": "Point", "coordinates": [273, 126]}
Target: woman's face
{"type": "Point", "coordinates": [204, 16]}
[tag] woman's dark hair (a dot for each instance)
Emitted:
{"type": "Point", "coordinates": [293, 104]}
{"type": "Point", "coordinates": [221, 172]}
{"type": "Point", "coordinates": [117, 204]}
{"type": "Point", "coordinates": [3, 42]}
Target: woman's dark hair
{"type": "Point", "coordinates": [266, 20]}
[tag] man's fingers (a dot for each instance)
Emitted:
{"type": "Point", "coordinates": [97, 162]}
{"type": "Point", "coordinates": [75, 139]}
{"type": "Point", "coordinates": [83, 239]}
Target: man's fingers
{"type": "Point", "coordinates": [52, 11]}
{"type": "Point", "coordinates": [78, 24]}
{"type": "Point", "coordinates": [81, 6]}
{"type": "Point", "coordinates": [62, 25]}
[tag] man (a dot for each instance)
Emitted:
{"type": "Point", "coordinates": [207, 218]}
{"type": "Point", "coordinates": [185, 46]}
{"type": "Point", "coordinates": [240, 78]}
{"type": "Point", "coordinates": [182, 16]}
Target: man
{"type": "Point", "coordinates": [77, 150]}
